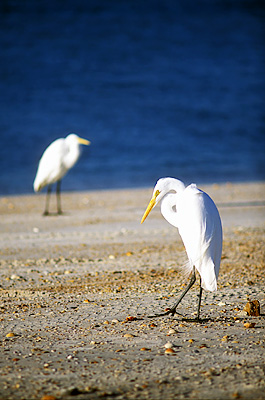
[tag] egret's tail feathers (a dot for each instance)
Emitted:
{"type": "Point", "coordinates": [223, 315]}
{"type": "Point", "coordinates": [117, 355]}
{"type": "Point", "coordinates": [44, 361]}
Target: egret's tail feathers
{"type": "Point", "coordinates": [39, 184]}
{"type": "Point", "coordinates": [186, 265]}
{"type": "Point", "coordinates": [210, 282]}
{"type": "Point", "coordinates": [205, 265]}
{"type": "Point", "coordinates": [36, 187]}
{"type": "Point", "coordinates": [207, 268]}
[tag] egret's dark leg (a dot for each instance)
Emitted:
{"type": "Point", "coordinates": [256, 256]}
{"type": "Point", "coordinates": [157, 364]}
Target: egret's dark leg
{"type": "Point", "coordinates": [46, 211]}
{"type": "Point", "coordinates": [197, 319]}
{"type": "Point", "coordinates": [172, 310]}
{"type": "Point", "coordinates": [58, 195]}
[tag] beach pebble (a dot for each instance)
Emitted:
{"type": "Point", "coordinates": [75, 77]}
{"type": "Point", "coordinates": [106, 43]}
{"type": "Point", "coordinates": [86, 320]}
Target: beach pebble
{"type": "Point", "coordinates": [168, 345]}
{"type": "Point", "coordinates": [251, 308]}
{"type": "Point", "coordinates": [10, 334]}
{"type": "Point", "coordinates": [171, 332]}
{"type": "Point", "coordinates": [131, 318]}
{"type": "Point", "coordinates": [128, 335]}
{"type": "Point", "coordinates": [14, 277]}
{"type": "Point", "coordinates": [169, 351]}
{"type": "Point", "coordinates": [48, 397]}
{"type": "Point", "coordinates": [249, 325]}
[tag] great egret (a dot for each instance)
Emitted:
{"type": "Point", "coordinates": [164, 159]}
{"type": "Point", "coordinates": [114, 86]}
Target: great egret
{"type": "Point", "coordinates": [57, 159]}
{"type": "Point", "coordinates": [195, 215]}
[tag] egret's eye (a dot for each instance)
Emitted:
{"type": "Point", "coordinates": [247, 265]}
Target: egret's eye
{"type": "Point", "coordinates": [157, 193]}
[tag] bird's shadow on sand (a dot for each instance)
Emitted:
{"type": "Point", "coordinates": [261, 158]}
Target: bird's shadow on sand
{"type": "Point", "coordinates": [179, 318]}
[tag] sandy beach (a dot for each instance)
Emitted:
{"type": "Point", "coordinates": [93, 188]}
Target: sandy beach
{"type": "Point", "coordinates": [77, 289]}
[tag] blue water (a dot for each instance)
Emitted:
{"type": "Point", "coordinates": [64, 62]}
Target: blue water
{"type": "Point", "coordinates": [160, 88]}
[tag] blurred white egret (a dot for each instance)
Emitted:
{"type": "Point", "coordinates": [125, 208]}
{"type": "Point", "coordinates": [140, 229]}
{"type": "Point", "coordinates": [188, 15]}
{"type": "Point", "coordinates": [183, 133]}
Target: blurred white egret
{"type": "Point", "coordinates": [195, 215]}
{"type": "Point", "coordinates": [57, 159]}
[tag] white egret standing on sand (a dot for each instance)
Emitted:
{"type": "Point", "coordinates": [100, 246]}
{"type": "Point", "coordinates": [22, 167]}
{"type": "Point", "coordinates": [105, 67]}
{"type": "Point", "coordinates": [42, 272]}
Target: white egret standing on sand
{"type": "Point", "coordinates": [195, 215]}
{"type": "Point", "coordinates": [57, 159]}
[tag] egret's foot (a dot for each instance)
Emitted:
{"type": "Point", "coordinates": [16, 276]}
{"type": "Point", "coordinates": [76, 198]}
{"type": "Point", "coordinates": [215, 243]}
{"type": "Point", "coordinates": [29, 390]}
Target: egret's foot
{"type": "Point", "coordinates": [46, 213]}
{"type": "Point", "coordinates": [170, 311]}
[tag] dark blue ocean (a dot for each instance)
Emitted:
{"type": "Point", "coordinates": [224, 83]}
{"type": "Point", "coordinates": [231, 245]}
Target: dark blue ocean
{"type": "Point", "coordinates": [159, 87]}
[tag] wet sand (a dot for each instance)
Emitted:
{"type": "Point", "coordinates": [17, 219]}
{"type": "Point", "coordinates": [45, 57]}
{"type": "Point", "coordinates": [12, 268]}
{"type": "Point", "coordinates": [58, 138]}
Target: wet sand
{"type": "Point", "coordinates": [77, 289]}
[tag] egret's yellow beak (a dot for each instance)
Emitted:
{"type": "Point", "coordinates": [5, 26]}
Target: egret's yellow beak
{"type": "Point", "coordinates": [83, 141]}
{"type": "Point", "coordinates": [150, 205]}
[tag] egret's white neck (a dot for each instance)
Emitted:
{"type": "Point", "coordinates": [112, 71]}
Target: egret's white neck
{"type": "Point", "coordinates": [169, 208]}
{"type": "Point", "coordinates": [169, 203]}
{"type": "Point", "coordinates": [73, 153]}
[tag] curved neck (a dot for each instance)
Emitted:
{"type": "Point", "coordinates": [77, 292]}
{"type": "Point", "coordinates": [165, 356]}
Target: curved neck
{"type": "Point", "coordinates": [169, 203]}
{"type": "Point", "coordinates": [169, 208]}
{"type": "Point", "coordinates": [73, 153]}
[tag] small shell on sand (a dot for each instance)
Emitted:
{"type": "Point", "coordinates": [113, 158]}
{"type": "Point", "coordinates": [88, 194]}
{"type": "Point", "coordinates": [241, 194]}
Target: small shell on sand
{"type": "Point", "coordinates": [171, 332]}
{"type": "Point", "coordinates": [169, 351]}
{"type": "Point", "coordinates": [168, 345]}
{"type": "Point", "coordinates": [10, 334]}
{"type": "Point", "coordinates": [249, 325]}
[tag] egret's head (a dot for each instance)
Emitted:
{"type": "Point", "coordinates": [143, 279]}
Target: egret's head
{"type": "Point", "coordinates": [83, 141]}
{"type": "Point", "coordinates": [162, 188]}
{"type": "Point", "coordinates": [76, 139]}
{"type": "Point", "coordinates": [154, 200]}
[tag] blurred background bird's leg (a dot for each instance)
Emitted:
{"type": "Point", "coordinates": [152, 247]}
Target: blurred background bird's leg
{"type": "Point", "coordinates": [58, 196]}
{"type": "Point", "coordinates": [49, 189]}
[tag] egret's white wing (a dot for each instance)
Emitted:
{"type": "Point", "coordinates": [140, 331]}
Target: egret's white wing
{"type": "Point", "coordinates": [200, 228]}
{"type": "Point", "coordinates": [51, 166]}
